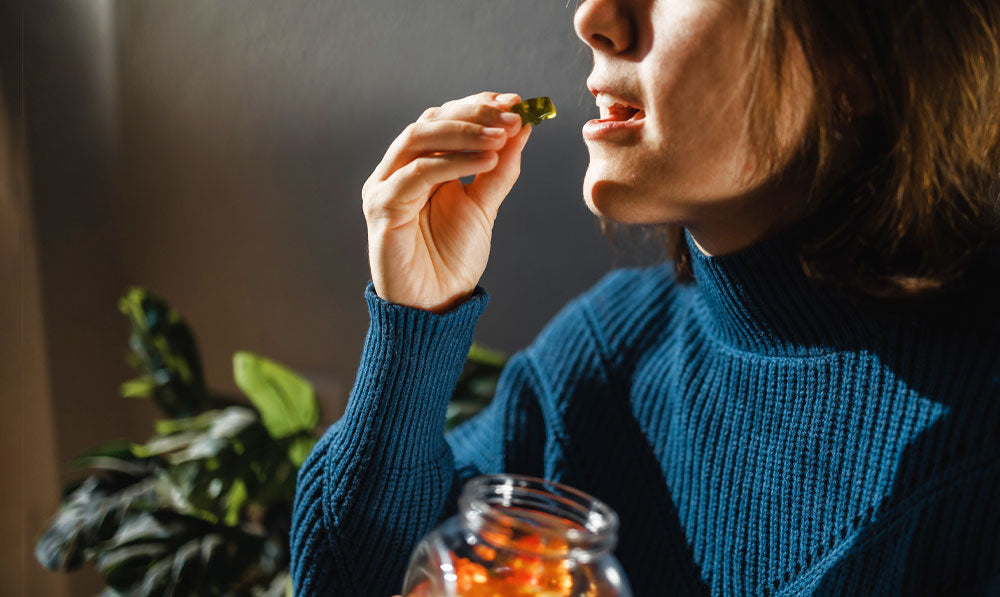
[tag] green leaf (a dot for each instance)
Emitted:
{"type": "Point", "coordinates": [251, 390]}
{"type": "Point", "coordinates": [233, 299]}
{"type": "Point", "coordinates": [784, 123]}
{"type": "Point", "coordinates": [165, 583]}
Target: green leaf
{"type": "Point", "coordinates": [206, 465]}
{"type": "Point", "coordinates": [204, 506]}
{"type": "Point", "coordinates": [187, 567]}
{"type": "Point", "coordinates": [486, 356]}
{"type": "Point", "coordinates": [140, 528]}
{"type": "Point", "coordinates": [130, 467]}
{"type": "Point", "coordinates": [196, 423]}
{"type": "Point", "coordinates": [198, 437]}
{"type": "Point", "coordinates": [114, 456]}
{"type": "Point", "coordinates": [280, 586]}
{"type": "Point", "coordinates": [126, 566]}
{"type": "Point", "coordinates": [156, 580]}
{"type": "Point", "coordinates": [476, 386]}
{"type": "Point", "coordinates": [164, 553]}
{"type": "Point", "coordinates": [286, 401]}
{"type": "Point", "coordinates": [140, 387]}
{"type": "Point", "coordinates": [164, 444]}
{"type": "Point", "coordinates": [234, 502]}
{"type": "Point", "coordinates": [460, 411]}
{"type": "Point", "coordinates": [89, 515]}
{"type": "Point", "coordinates": [165, 353]}
{"type": "Point", "coordinates": [224, 433]}
{"type": "Point", "coordinates": [300, 449]}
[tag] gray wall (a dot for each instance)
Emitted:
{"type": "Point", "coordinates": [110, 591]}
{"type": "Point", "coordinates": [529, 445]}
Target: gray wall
{"type": "Point", "coordinates": [248, 129]}
{"type": "Point", "coordinates": [214, 151]}
{"type": "Point", "coordinates": [68, 336]}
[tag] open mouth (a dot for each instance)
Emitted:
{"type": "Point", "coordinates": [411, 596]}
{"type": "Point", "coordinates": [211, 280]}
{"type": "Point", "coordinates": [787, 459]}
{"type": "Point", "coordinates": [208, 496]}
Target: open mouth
{"type": "Point", "coordinates": [619, 112]}
{"type": "Point", "coordinates": [614, 109]}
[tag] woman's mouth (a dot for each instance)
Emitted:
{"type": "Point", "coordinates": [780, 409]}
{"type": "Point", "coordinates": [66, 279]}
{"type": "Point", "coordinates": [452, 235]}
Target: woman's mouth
{"type": "Point", "coordinates": [615, 109]}
{"type": "Point", "coordinates": [621, 113]}
{"type": "Point", "coordinates": [618, 120]}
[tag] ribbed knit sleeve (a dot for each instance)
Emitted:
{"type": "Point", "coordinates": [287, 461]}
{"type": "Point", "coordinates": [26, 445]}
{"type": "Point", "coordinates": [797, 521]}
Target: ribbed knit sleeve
{"type": "Point", "coordinates": [377, 479]}
{"type": "Point", "coordinates": [385, 474]}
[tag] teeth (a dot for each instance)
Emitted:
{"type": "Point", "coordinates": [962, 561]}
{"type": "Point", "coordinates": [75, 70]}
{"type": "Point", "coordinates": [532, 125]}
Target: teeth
{"type": "Point", "coordinates": [606, 100]}
{"type": "Point", "coordinates": [604, 103]}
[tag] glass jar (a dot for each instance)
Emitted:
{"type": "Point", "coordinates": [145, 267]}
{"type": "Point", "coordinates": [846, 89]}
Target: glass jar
{"type": "Point", "coordinates": [518, 536]}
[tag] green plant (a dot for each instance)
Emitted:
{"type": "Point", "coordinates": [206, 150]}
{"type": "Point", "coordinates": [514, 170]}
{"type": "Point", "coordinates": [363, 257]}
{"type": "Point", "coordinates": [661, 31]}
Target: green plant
{"type": "Point", "coordinates": [476, 386]}
{"type": "Point", "coordinates": [204, 506]}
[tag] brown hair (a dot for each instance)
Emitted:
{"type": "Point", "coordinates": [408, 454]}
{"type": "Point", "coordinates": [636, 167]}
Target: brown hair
{"type": "Point", "coordinates": [918, 201]}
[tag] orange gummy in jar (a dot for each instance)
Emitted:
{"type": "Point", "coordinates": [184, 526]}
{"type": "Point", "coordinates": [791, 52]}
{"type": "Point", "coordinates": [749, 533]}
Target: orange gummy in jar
{"type": "Point", "coordinates": [520, 536]}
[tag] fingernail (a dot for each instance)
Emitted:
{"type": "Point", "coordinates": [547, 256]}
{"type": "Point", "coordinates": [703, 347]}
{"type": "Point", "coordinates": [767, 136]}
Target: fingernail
{"type": "Point", "coordinates": [506, 97]}
{"type": "Point", "coordinates": [494, 132]}
{"type": "Point", "coordinates": [509, 117]}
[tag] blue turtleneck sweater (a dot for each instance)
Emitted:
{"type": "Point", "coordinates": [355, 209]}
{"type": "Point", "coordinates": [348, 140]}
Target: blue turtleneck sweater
{"type": "Point", "coordinates": [757, 434]}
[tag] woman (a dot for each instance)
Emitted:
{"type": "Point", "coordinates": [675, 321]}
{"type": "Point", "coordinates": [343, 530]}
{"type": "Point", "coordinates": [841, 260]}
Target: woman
{"type": "Point", "coordinates": [804, 401]}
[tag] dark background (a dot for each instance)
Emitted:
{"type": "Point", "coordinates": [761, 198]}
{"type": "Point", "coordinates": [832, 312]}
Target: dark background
{"type": "Point", "coordinates": [214, 151]}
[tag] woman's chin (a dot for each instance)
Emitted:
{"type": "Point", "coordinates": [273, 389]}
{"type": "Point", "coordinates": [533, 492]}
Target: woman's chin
{"type": "Point", "coordinates": [621, 203]}
{"type": "Point", "coordinates": [604, 197]}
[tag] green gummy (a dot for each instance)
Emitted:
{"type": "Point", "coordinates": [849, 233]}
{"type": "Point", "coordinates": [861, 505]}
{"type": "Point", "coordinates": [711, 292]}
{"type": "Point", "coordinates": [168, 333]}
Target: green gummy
{"type": "Point", "coordinates": [535, 110]}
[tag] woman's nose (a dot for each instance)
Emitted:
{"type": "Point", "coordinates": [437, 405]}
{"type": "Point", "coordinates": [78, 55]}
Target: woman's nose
{"type": "Point", "coordinates": [603, 25]}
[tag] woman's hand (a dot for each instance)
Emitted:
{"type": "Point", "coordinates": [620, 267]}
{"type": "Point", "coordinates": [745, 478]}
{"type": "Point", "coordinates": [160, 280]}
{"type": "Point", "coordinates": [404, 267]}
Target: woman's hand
{"type": "Point", "coordinates": [428, 234]}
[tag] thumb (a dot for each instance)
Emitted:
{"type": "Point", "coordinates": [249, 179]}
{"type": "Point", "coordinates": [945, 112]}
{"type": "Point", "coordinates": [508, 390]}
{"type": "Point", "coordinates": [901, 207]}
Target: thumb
{"type": "Point", "coordinates": [489, 189]}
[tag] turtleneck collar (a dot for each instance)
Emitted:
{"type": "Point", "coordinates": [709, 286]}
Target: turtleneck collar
{"type": "Point", "coordinates": [760, 300]}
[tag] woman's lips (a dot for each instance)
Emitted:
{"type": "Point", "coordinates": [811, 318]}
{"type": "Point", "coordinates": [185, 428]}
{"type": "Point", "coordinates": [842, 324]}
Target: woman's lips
{"type": "Point", "coordinates": [613, 127]}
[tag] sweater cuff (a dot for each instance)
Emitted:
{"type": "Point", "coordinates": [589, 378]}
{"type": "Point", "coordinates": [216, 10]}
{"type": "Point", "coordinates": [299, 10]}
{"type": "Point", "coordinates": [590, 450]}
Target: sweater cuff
{"type": "Point", "coordinates": [410, 364]}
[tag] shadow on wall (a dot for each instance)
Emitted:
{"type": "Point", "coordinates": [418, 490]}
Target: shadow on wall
{"type": "Point", "coordinates": [214, 152]}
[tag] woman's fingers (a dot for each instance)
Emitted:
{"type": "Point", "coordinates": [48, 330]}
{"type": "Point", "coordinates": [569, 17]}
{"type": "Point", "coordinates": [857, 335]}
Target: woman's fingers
{"type": "Point", "coordinates": [457, 107]}
{"type": "Point", "coordinates": [402, 195]}
{"type": "Point", "coordinates": [460, 125]}
{"type": "Point", "coordinates": [422, 138]}
{"type": "Point", "coordinates": [426, 266]}
{"type": "Point", "coordinates": [491, 187]}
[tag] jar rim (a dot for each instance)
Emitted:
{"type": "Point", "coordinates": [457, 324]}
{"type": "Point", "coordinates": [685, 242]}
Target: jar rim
{"type": "Point", "coordinates": [532, 505]}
